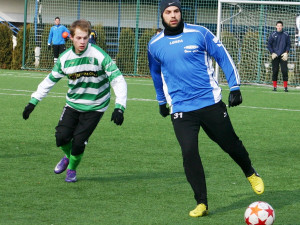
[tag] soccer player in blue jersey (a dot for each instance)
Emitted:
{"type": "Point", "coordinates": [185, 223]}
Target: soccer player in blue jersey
{"type": "Point", "coordinates": [55, 37]}
{"type": "Point", "coordinates": [180, 61]}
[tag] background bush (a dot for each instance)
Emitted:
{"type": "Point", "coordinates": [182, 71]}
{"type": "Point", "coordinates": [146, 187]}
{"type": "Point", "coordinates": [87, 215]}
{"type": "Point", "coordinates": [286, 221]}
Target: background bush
{"type": "Point", "coordinates": [6, 46]}
{"type": "Point", "coordinates": [18, 51]}
{"type": "Point", "coordinates": [125, 56]}
{"type": "Point", "coordinates": [143, 68]}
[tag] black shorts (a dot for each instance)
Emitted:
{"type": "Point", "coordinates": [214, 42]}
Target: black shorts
{"type": "Point", "coordinates": [58, 49]}
{"type": "Point", "coordinates": [77, 127]}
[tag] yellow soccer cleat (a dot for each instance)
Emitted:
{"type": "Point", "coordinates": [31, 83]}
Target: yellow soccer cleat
{"type": "Point", "coordinates": [257, 183]}
{"type": "Point", "coordinates": [200, 210]}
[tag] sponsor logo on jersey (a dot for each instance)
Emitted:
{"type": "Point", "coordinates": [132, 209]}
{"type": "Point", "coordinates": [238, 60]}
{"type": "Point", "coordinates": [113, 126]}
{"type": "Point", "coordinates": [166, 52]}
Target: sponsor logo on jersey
{"type": "Point", "coordinates": [191, 47]}
{"type": "Point", "coordinates": [75, 76]}
{"type": "Point", "coordinates": [176, 42]}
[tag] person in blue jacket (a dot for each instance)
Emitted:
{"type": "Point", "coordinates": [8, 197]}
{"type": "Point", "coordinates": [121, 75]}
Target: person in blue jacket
{"type": "Point", "coordinates": [279, 45]}
{"type": "Point", "coordinates": [55, 37]}
{"type": "Point", "coordinates": [180, 62]}
{"type": "Point", "coordinates": [93, 35]}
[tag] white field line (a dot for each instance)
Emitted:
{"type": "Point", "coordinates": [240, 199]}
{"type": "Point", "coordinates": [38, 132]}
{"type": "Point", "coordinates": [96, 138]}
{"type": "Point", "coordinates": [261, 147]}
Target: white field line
{"type": "Point", "coordinates": [62, 95]}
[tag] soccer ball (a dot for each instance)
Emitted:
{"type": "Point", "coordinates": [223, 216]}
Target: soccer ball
{"type": "Point", "coordinates": [259, 213]}
{"type": "Point", "coordinates": [65, 34]}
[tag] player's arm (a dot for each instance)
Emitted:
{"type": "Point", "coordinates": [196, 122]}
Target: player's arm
{"type": "Point", "coordinates": [155, 71]}
{"type": "Point", "coordinates": [269, 44]}
{"type": "Point", "coordinates": [50, 37]}
{"type": "Point", "coordinates": [216, 49]}
{"type": "Point", "coordinates": [119, 86]}
{"type": "Point", "coordinates": [43, 89]}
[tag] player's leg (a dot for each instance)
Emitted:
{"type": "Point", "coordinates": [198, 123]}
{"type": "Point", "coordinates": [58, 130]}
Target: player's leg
{"type": "Point", "coordinates": [216, 123]}
{"type": "Point", "coordinates": [88, 121]}
{"type": "Point", "coordinates": [275, 70]}
{"type": "Point", "coordinates": [55, 52]}
{"type": "Point", "coordinates": [186, 127]}
{"type": "Point", "coordinates": [64, 133]}
{"type": "Point", "coordinates": [62, 48]}
{"type": "Point", "coordinates": [284, 70]}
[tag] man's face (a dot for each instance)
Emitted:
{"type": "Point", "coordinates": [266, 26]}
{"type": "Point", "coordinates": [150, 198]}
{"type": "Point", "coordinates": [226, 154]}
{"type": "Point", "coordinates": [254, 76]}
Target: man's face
{"type": "Point", "coordinates": [172, 16]}
{"type": "Point", "coordinates": [57, 21]}
{"type": "Point", "coordinates": [80, 40]}
{"type": "Point", "coordinates": [279, 27]}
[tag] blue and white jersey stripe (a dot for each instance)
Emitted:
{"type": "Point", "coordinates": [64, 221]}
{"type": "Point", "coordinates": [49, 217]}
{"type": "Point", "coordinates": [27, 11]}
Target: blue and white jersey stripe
{"type": "Point", "coordinates": [182, 70]}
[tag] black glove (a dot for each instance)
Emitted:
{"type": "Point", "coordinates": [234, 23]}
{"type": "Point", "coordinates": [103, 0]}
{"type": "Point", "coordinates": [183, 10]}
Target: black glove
{"type": "Point", "coordinates": [164, 110]}
{"type": "Point", "coordinates": [117, 116]}
{"type": "Point", "coordinates": [49, 47]}
{"type": "Point", "coordinates": [235, 98]}
{"type": "Point", "coordinates": [28, 109]}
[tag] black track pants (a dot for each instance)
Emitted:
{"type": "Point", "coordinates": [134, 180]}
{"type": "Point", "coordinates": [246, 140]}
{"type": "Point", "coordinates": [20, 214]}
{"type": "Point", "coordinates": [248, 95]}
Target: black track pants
{"type": "Point", "coordinates": [275, 69]}
{"type": "Point", "coordinates": [216, 123]}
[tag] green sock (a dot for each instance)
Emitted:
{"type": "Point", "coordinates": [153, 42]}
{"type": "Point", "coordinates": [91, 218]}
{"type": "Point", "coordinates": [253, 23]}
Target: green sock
{"type": "Point", "coordinates": [67, 149]}
{"type": "Point", "coordinates": [74, 161]}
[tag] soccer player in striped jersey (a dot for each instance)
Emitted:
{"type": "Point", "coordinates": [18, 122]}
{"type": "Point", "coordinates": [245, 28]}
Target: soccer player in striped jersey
{"type": "Point", "coordinates": [90, 72]}
{"type": "Point", "coordinates": [183, 76]}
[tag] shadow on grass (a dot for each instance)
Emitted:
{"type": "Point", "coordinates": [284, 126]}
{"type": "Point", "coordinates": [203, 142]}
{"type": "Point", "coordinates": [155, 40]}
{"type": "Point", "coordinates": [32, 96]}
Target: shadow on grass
{"type": "Point", "coordinates": [278, 200]}
{"type": "Point", "coordinates": [135, 176]}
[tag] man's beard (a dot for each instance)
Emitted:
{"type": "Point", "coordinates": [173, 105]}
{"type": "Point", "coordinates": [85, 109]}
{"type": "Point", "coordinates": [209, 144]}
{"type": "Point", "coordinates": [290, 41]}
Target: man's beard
{"type": "Point", "coordinates": [173, 30]}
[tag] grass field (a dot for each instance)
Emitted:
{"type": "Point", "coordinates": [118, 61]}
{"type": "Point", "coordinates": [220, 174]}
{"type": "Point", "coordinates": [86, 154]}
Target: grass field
{"type": "Point", "coordinates": [133, 174]}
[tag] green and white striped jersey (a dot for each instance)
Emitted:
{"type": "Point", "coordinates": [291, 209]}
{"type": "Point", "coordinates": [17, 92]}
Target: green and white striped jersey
{"type": "Point", "coordinates": [90, 75]}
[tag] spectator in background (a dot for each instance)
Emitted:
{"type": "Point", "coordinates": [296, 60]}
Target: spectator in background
{"type": "Point", "coordinates": [158, 30]}
{"type": "Point", "coordinates": [56, 38]}
{"type": "Point", "coordinates": [279, 45]}
{"type": "Point", "coordinates": [93, 35]}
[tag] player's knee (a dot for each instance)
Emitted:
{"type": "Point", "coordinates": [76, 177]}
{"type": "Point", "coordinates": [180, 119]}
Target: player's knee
{"type": "Point", "coordinates": [78, 147]}
{"type": "Point", "coordinates": [61, 139]}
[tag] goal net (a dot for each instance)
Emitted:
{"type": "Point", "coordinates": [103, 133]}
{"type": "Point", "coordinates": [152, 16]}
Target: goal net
{"type": "Point", "coordinates": [124, 27]}
{"type": "Point", "coordinates": [244, 29]}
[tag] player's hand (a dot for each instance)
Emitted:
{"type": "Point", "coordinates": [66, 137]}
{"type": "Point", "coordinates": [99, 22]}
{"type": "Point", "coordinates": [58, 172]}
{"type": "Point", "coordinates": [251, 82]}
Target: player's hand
{"type": "Point", "coordinates": [274, 55]}
{"type": "Point", "coordinates": [28, 109]}
{"type": "Point", "coordinates": [284, 56]}
{"type": "Point", "coordinates": [164, 110]}
{"type": "Point", "coordinates": [235, 98]}
{"type": "Point", "coordinates": [117, 116]}
{"type": "Point", "coordinates": [49, 47]}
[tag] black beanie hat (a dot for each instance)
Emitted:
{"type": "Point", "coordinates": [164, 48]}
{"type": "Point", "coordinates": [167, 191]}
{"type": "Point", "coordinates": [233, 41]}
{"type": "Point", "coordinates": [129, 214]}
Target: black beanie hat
{"type": "Point", "coordinates": [166, 3]}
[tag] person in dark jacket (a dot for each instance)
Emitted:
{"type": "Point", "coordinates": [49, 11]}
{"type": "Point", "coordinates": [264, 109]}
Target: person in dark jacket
{"type": "Point", "coordinates": [279, 45]}
{"type": "Point", "coordinates": [93, 35]}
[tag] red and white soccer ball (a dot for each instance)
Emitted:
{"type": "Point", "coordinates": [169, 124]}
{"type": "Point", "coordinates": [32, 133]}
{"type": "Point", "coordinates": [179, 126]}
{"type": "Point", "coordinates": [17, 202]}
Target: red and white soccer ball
{"type": "Point", "coordinates": [259, 213]}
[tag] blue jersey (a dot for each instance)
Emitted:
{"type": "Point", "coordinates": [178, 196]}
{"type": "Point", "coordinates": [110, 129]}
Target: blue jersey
{"type": "Point", "coordinates": [279, 42]}
{"type": "Point", "coordinates": [55, 35]}
{"type": "Point", "coordinates": [182, 70]}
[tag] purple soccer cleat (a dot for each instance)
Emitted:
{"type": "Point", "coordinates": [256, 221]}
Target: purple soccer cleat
{"type": "Point", "coordinates": [71, 176]}
{"type": "Point", "coordinates": [62, 165]}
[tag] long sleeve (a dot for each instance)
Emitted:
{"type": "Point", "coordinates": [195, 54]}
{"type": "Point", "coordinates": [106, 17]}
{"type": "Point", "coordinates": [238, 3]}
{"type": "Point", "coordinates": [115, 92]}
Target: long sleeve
{"type": "Point", "coordinates": [50, 36]}
{"type": "Point", "coordinates": [216, 49]}
{"type": "Point", "coordinates": [120, 88]}
{"type": "Point", "coordinates": [155, 70]}
{"type": "Point", "coordinates": [270, 41]}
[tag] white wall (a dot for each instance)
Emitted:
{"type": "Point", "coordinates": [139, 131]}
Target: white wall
{"type": "Point", "coordinates": [12, 10]}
